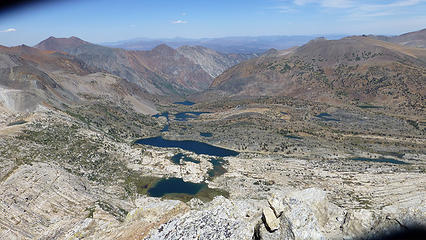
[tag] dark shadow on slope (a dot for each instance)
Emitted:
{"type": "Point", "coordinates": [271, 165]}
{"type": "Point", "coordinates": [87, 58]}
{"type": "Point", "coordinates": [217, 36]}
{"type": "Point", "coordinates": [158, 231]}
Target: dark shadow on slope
{"type": "Point", "coordinates": [415, 232]}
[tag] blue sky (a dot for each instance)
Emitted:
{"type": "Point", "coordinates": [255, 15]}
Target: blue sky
{"type": "Point", "coordinates": [112, 20]}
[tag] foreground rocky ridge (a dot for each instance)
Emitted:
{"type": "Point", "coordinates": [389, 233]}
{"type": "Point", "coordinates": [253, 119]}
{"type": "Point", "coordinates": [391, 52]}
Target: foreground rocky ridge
{"type": "Point", "coordinates": [58, 205]}
{"type": "Point", "coordinates": [88, 184]}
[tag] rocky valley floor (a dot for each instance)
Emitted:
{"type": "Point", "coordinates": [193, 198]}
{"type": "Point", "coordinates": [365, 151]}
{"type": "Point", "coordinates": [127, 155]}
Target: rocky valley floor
{"type": "Point", "coordinates": [304, 171]}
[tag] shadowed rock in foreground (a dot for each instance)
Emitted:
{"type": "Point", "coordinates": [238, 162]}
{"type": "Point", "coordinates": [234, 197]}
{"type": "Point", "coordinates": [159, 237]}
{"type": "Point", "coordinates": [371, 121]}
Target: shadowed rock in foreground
{"type": "Point", "coordinates": [305, 214]}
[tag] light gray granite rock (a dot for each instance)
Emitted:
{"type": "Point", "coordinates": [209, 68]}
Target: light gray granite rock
{"type": "Point", "coordinates": [270, 220]}
{"type": "Point", "coordinates": [219, 219]}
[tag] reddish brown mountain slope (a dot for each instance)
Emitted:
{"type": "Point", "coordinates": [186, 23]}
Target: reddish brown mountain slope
{"type": "Point", "coordinates": [161, 71]}
{"type": "Point", "coordinates": [31, 77]}
{"type": "Point", "coordinates": [48, 60]}
{"type": "Point", "coordinates": [411, 39]}
{"type": "Point", "coordinates": [61, 44]}
{"type": "Point", "coordinates": [354, 69]}
{"type": "Point", "coordinates": [174, 67]}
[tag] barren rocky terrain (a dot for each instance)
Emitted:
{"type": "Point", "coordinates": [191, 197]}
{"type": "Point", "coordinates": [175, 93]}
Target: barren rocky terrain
{"type": "Point", "coordinates": [65, 176]}
{"type": "Point", "coordinates": [86, 153]}
{"type": "Point", "coordinates": [161, 70]}
{"type": "Point", "coordinates": [354, 70]}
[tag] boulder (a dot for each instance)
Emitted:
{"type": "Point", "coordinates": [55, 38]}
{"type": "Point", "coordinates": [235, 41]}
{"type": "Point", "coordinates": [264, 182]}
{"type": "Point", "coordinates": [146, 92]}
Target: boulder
{"type": "Point", "coordinates": [276, 204]}
{"type": "Point", "coordinates": [261, 233]}
{"type": "Point", "coordinates": [383, 223]}
{"type": "Point", "coordinates": [272, 223]}
{"type": "Point", "coordinates": [283, 232]}
{"type": "Point", "coordinates": [412, 214]}
{"type": "Point", "coordinates": [358, 223]}
{"type": "Point", "coordinates": [219, 219]}
{"type": "Point", "coordinates": [195, 203]}
{"type": "Point", "coordinates": [312, 216]}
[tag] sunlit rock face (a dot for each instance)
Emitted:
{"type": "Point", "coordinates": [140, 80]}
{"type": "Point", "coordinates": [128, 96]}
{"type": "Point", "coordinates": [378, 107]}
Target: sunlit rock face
{"type": "Point", "coordinates": [211, 61]}
{"type": "Point", "coordinates": [17, 100]}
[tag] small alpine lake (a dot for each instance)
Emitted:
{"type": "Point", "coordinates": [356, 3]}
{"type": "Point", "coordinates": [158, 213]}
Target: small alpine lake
{"type": "Point", "coordinates": [293, 137]}
{"type": "Point", "coordinates": [186, 103]}
{"type": "Point", "coordinates": [206, 134]}
{"type": "Point", "coordinates": [189, 145]}
{"type": "Point", "coordinates": [382, 160]}
{"type": "Point", "coordinates": [176, 188]}
{"type": "Point", "coordinates": [173, 188]}
{"type": "Point", "coordinates": [326, 117]}
{"type": "Point", "coordinates": [184, 116]}
{"type": "Point", "coordinates": [218, 168]}
{"type": "Point", "coordinates": [174, 185]}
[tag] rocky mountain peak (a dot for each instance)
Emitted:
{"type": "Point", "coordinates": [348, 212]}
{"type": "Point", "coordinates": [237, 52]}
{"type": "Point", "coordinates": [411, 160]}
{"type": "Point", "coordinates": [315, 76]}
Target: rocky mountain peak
{"type": "Point", "coordinates": [60, 44]}
{"type": "Point", "coordinates": [163, 49]}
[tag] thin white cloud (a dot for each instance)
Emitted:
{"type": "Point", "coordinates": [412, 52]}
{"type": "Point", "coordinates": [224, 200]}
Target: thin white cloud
{"type": "Point", "coordinates": [337, 3]}
{"type": "Point", "coordinates": [396, 4]}
{"type": "Point", "coordinates": [8, 30]}
{"type": "Point", "coordinates": [354, 9]}
{"type": "Point", "coordinates": [283, 9]}
{"type": "Point", "coordinates": [327, 3]}
{"type": "Point", "coordinates": [387, 9]}
{"type": "Point", "coordinates": [179, 22]}
{"type": "Point", "coordinates": [389, 26]}
{"type": "Point", "coordinates": [358, 5]}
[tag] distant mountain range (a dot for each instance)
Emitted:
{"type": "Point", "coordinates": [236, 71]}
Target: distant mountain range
{"type": "Point", "coordinates": [258, 44]}
{"type": "Point", "coordinates": [360, 69]}
{"type": "Point", "coordinates": [64, 71]}
{"type": "Point", "coordinates": [247, 45]}
{"type": "Point", "coordinates": [30, 77]}
{"type": "Point", "coordinates": [353, 69]}
{"type": "Point", "coordinates": [411, 39]}
{"type": "Point", "coordinates": [162, 70]}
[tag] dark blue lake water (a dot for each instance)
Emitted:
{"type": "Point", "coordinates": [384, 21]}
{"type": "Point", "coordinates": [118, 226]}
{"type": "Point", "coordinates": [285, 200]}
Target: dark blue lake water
{"type": "Point", "coordinates": [165, 128]}
{"type": "Point", "coordinates": [326, 117]}
{"type": "Point", "coordinates": [166, 115]}
{"type": "Point", "coordinates": [387, 160]}
{"type": "Point", "coordinates": [175, 185]}
{"type": "Point", "coordinates": [205, 134]}
{"type": "Point", "coordinates": [369, 106]}
{"type": "Point", "coordinates": [293, 137]}
{"type": "Point", "coordinates": [163, 114]}
{"type": "Point", "coordinates": [218, 168]}
{"type": "Point", "coordinates": [184, 116]}
{"type": "Point", "coordinates": [186, 103]}
{"type": "Point", "coordinates": [19, 122]}
{"type": "Point", "coordinates": [189, 145]}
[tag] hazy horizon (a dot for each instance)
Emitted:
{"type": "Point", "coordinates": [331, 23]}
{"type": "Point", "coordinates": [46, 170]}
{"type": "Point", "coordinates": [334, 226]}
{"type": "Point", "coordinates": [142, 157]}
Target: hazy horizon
{"type": "Point", "coordinates": [109, 21]}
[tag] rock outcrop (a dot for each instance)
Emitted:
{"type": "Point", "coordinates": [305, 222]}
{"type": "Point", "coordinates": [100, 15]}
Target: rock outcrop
{"type": "Point", "coordinates": [220, 219]}
{"type": "Point", "coordinates": [62, 178]}
{"type": "Point", "coordinates": [41, 196]}
{"type": "Point", "coordinates": [272, 222]}
{"type": "Point", "coordinates": [211, 61]}
{"type": "Point", "coordinates": [305, 214]}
